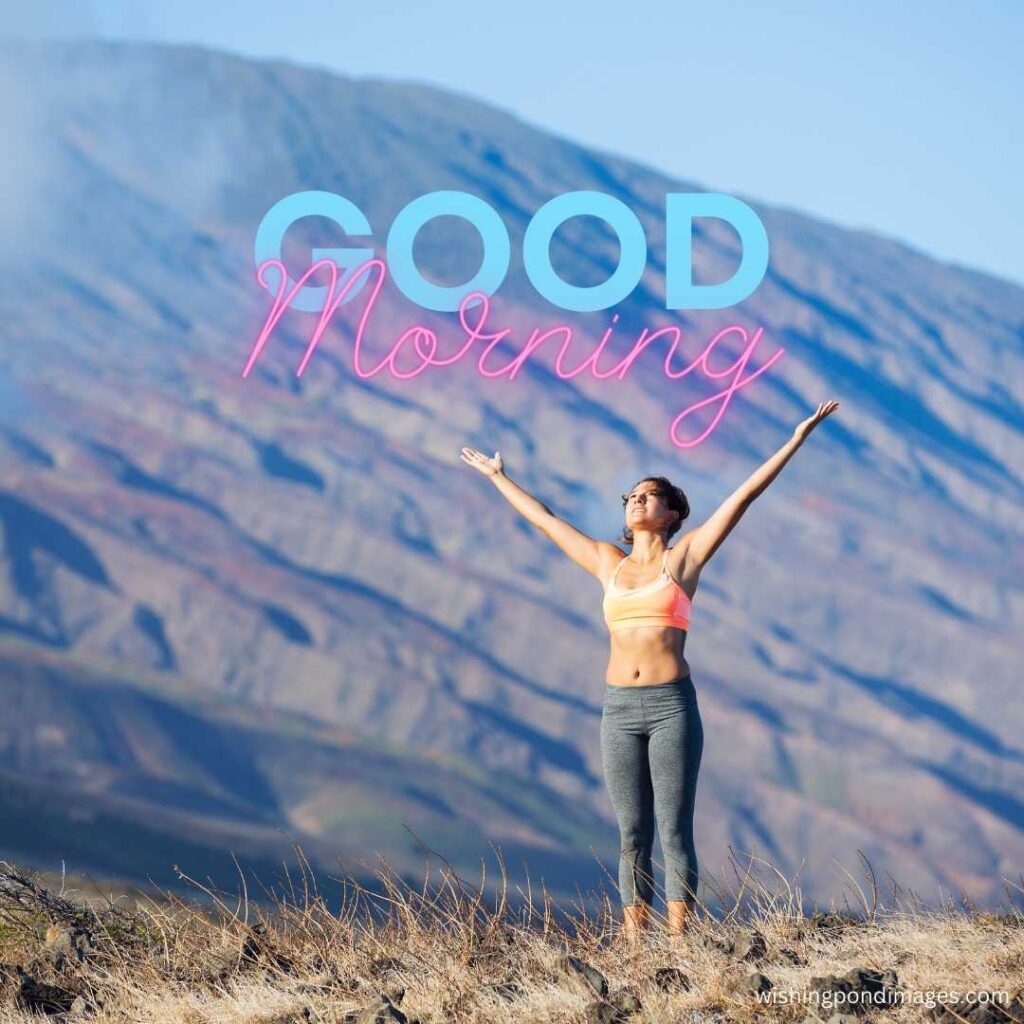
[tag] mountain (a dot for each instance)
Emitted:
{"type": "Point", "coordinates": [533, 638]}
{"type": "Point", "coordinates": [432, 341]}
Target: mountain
{"type": "Point", "coordinates": [185, 549]}
{"type": "Point", "coordinates": [130, 773]}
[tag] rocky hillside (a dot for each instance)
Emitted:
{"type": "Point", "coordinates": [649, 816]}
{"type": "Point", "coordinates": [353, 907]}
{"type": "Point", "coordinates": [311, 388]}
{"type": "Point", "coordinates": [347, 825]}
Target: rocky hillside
{"type": "Point", "coordinates": [311, 549]}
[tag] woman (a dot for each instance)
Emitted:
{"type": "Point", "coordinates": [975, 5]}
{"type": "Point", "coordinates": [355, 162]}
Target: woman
{"type": "Point", "coordinates": [651, 732]}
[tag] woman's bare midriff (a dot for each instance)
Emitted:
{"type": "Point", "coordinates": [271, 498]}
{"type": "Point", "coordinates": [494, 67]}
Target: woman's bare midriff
{"type": "Point", "coordinates": [644, 655]}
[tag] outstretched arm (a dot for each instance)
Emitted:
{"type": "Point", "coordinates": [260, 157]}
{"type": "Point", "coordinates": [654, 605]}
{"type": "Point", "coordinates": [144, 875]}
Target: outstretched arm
{"type": "Point", "coordinates": [707, 538]}
{"type": "Point", "coordinates": [583, 550]}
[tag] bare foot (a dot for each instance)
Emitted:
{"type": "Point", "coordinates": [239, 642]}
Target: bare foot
{"type": "Point", "coordinates": [680, 917]}
{"type": "Point", "coordinates": [634, 921]}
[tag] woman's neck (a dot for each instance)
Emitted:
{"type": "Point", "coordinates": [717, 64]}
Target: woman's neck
{"type": "Point", "coordinates": [646, 552]}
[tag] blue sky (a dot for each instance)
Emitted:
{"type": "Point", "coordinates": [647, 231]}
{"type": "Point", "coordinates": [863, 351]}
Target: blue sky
{"type": "Point", "coordinates": [905, 119]}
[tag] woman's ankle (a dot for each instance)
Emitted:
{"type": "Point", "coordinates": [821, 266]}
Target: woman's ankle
{"type": "Point", "coordinates": [635, 919]}
{"type": "Point", "coordinates": [679, 916]}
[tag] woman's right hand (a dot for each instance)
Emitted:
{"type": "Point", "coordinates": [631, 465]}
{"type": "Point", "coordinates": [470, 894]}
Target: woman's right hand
{"type": "Point", "coordinates": [480, 462]}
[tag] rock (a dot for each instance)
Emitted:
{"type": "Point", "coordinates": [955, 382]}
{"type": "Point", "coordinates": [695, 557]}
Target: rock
{"type": "Point", "coordinates": [671, 979]}
{"type": "Point", "coordinates": [504, 989]}
{"type": "Point", "coordinates": [599, 1012]}
{"type": "Point", "coordinates": [221, 963]}
{"type": "Point", "coordinates": [709, 942]}
{"type": "Point", "coordinates": [752, 947]}
{"type": "Point", "coordinates": [978, 1011]}
{"type": "Point", "coordinates": [615, 1010]}
{"type": "Point", "coordinates": [333, 983]}
{"type": "Point", "coordinates": [292, 1017]}
{"type": "Point", "coordinates": [68, 945]}
{"type": "Point", "coordinates": [792, 956]}
{"type": "Point", "coordinates": [832, 923]}
{"type": "Point", "coordinates": [1008, 920]}
{"type": "Point", "coordinates": [860, 989]}
{"type": "Point", "coordinates": [257, 947]}
{"type": "Point", "coordinates": [82, 1007]}
{"type": "Point", "coordinates": [384, 965]}
{"type": "Point", "coordinates": [383, 1011]}
{"type": "Point", "coordinates": [577, 970]}
{"type": "Point", "coordinates": [484, 957]}
{"type": "Point", "coordinates": [748, 984]}
{"type": "Point", "coordinates": [40, 997]}
{"type": "Point", "coordinates": [627, 1001]}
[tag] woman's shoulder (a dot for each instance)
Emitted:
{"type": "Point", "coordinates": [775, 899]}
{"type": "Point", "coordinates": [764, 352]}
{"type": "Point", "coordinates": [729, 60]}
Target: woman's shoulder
{"type": "Point", "coordinates": [677, 553]}
{"type": "Point", "coordinates": [611, 555]}
{"type": "Point", "coordinates": [686, 576]}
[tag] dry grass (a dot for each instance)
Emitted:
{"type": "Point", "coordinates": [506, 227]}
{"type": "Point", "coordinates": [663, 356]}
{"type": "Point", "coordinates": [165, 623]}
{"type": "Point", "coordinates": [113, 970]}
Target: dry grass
{"type": "Point", "coordinates": [443, 953]}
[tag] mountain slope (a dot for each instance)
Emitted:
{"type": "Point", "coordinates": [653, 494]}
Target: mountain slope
{"type": "Point", "coordinates": [313, 544]}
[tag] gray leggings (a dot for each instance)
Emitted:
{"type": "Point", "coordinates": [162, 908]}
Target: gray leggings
{"type": "Point", "coordinates": [652, 738]}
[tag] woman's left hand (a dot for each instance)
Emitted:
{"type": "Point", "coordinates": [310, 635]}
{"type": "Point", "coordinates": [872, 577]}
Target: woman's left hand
{"type": "Point", "coordinates": [823, 410]}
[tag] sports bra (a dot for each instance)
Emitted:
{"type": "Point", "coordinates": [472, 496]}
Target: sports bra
{"type": "Point", "coordinates": [662, 602]}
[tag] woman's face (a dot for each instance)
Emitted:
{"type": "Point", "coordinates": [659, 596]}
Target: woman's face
{"type": "Point", "coordinates": [646, 508]}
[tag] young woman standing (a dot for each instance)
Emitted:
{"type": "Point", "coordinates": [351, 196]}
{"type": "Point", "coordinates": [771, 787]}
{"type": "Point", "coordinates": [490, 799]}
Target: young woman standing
{"type": "Point", "coordinates": [652, 737]}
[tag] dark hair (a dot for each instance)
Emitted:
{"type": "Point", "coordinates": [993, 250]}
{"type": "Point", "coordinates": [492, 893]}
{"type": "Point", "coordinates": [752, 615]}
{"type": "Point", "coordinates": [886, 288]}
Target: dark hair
{"type": "Point", "coordinates": [674, 497]}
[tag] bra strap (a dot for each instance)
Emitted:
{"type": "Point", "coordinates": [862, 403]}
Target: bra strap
{"type": "Point", "coordinates": [615, 572]}
{"type": "Point", "coordinates": [664, 566]}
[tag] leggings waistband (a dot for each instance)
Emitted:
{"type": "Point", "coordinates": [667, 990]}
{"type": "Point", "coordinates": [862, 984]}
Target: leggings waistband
{"type": "Point", "coordinates": [684, 680]}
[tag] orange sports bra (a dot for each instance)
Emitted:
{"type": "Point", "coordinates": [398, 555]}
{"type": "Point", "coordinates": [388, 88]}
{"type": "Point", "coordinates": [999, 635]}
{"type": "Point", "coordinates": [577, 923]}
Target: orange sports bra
{"type": "Point", "coordinates": [662, 602]}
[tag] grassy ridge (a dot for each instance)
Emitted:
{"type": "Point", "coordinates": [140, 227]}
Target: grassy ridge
{"type": "Point", "coordinates": [442, 952]}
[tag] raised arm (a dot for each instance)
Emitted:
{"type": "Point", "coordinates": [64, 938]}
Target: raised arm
{"type": "Point", "coordinates": [583, 550]}
{"type": "Point", "coordinates": [705, 540]}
